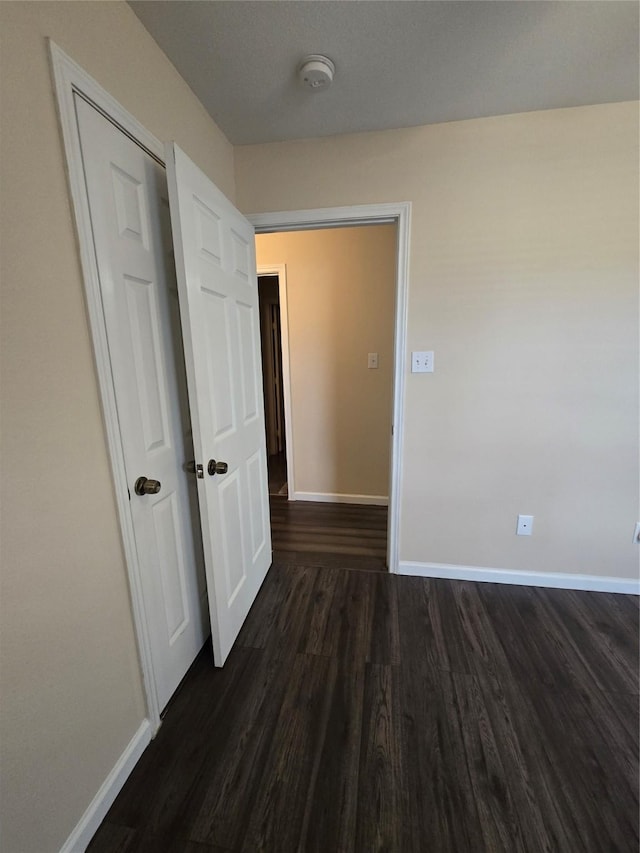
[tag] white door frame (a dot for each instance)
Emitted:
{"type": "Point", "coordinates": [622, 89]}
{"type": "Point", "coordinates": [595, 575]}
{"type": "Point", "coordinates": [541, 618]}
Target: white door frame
{"type": "Point", "coordinates": [69, 79]}
{"type": "Point", "coordinates": [281, 271]}
{"type": "Point", "coordinates": [368, 214]}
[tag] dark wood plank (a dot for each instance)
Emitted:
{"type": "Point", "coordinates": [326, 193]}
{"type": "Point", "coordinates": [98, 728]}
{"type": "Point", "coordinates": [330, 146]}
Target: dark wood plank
{"type": "Point", "coordinates": [330, 817]}
{"type": "Point", "coordinates": [235, 775]}
{"type": "Point", "coordinates": [284, 626]}
{"type": "Point", "coordinates": [537, 647]}
{"type": "Point", "coordinates": [622, 709]}
{"type": "Point", "coordinates": [528, 771]}
{"type": "Point", "coordinates": [497, 811]}
{"type": "Point", "coordinates": [279, 612]}
{"type": "Point", "coordinates": [381, 787]}
{"type": "Point", "coordinates": [475, 643]}
{"type": "Point", "coordinates": [291, 767]}
{"type": "Point", "coordinates": [231, 775]}
{"type": "Point", "coordinates": [330, 560]}
{"type": "Point", "coordinates": [122, 839]}
{"type": "Point", "coordinates": [441, 813]}
{"type": "Point", "coordinates": [322, 603]}
{"type": "Point", "coordinates": [348, 624]}
{"type": "Point", "coordinates": [265, 609]}
{"type": "Point", "coordinates": [421, 630]}
{"type": "Point", "coordinates": [161, 844]}
{"type": "Point", "coordinates": [590, 775]}
{"type": "Point", "coordinates": [113, 839]}
{"type": "Point", "coordinates": [385, 628]}
{"type": "Point", "coordinates": [590, 628]}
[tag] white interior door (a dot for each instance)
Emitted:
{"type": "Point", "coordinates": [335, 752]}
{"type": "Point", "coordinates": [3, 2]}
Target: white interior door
{"type": "Point", "coordinates": [129, 207]}
{"type": "Point", "coordinates": [216, 269]}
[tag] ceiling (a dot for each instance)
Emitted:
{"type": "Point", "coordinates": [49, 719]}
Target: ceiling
{"type": "Point", "coordinates": [398, 63]}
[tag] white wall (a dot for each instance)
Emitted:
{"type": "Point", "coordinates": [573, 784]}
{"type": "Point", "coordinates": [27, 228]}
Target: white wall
{"type": "Point", "coordinates": [341, 302]}
{"type": "Point", "coordinates": [71, 686]}
{"type": "Point", "coordinates": [524, 280]}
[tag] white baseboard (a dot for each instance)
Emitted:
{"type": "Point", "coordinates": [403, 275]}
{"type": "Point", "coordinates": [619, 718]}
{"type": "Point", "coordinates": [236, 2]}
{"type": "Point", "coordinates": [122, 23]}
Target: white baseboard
{"type": "Point", "coordinates": [88, 825]}
{"type": "Point", "coordinates": [556, 580]}
{"type": "Point", "coordinates": [329, 497]}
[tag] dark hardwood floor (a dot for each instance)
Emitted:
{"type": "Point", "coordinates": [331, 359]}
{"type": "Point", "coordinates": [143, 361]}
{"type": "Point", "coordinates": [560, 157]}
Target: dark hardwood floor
{"type": "Point", "coordinates": [327, 534]}
{"type": "Point", "coordinates": [360, 711]}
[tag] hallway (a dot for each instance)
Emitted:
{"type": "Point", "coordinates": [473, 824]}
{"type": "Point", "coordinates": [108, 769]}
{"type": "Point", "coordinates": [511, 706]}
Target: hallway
{"type": "Point", "coordinates": [352, 536]}
{"type": "Point", "coordinates": [277, 470]}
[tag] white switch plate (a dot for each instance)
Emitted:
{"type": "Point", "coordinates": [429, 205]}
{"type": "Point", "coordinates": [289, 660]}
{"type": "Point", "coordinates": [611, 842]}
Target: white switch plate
{"type": "Point", "coordinates": [422, 362]}
{"type": "Point", "coordinates": [372, 360]}
{"type": "Point", "coordinates": [525, 525]}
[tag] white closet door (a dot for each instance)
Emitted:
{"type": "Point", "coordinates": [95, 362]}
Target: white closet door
{"type": "Point", "coordinates": [128, 200]}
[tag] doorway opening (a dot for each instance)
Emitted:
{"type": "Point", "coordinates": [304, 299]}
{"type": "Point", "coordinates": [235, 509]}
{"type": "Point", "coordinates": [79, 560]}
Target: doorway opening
{"type": "Point", "coordinates": [273, 392]}
{"type": "Point", "coordinates": [337, 307]}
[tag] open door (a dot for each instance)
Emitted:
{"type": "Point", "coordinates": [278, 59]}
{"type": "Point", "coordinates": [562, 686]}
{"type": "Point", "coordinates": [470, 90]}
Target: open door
{"type": "Point", "coordinates": [216, 271]}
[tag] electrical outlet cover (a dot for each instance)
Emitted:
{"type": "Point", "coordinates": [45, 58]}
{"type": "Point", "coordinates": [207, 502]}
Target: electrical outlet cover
{"type": "Point", "coordinates": [525, 525]}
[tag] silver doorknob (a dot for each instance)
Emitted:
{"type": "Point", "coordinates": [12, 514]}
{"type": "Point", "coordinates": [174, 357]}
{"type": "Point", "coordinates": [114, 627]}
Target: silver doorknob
{"type": "Point", "coordinates": [145, 486]}
{"type": "Point", "coordinates": [217, 467]}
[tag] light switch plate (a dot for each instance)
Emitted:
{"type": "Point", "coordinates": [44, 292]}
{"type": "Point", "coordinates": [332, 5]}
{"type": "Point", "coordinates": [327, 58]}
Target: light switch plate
{"type": "Point", "coordinates": [372, 360]}
{"type": "Point", "coordinates": [422, 362]}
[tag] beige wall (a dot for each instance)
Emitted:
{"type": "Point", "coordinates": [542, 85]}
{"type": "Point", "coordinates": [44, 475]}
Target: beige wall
{"type": "Point", "coordinates": [341, 299]}
{"type": "Point", "coordinates": [524, 280]}
{"type": "Point", "coordinates": [71, 687]}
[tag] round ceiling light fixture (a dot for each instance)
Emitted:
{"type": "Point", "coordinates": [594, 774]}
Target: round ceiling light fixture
{"type": "Point", "coordinates": [316, 72]}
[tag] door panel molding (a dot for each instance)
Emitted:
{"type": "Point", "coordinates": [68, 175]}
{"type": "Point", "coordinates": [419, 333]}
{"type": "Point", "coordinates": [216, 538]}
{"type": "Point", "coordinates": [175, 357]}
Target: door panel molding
{"type": "Point", "coordinates": [362, 214]}
{"type": "Point", "coordinates": [70, 79]}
